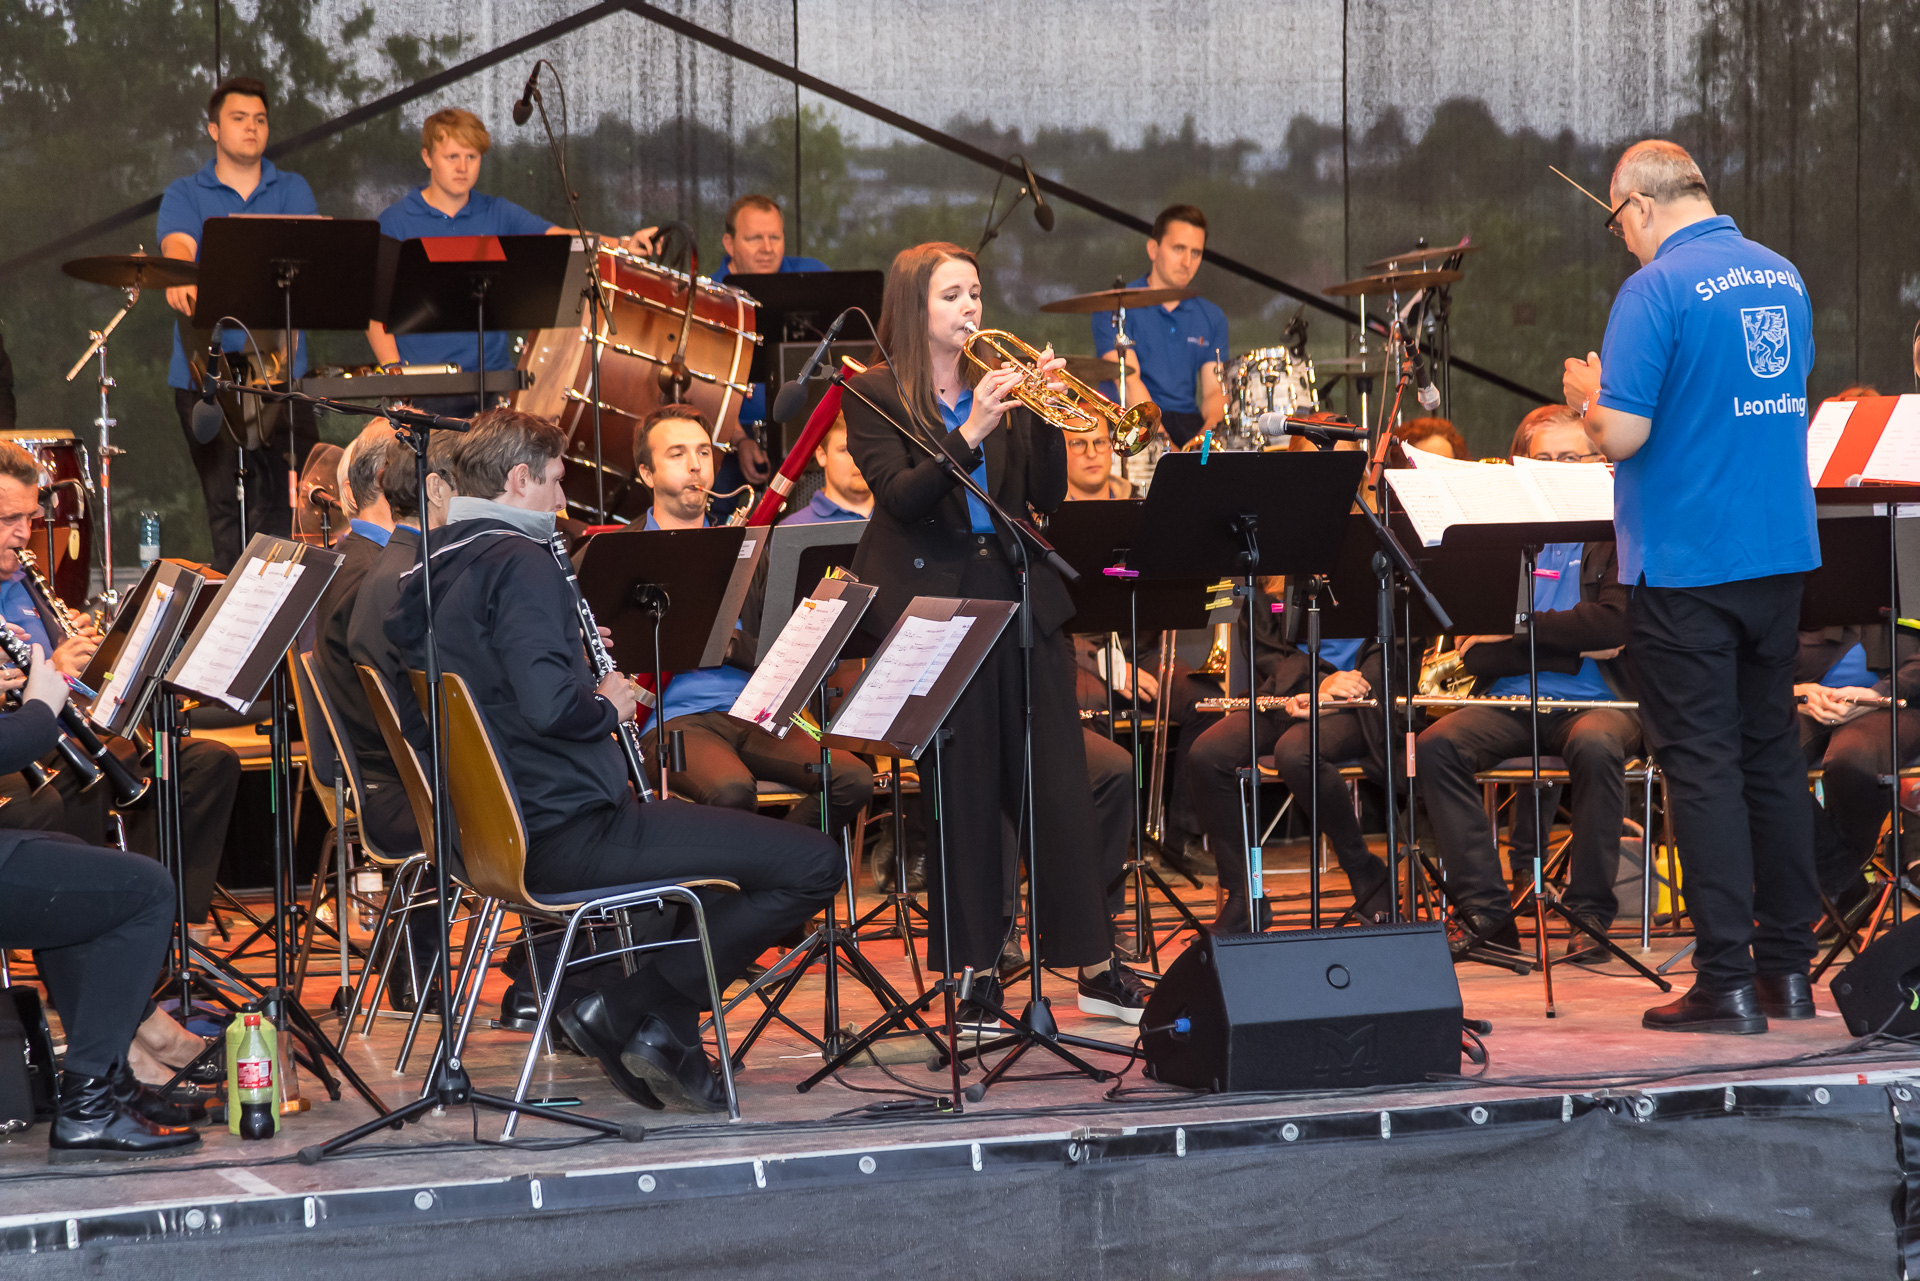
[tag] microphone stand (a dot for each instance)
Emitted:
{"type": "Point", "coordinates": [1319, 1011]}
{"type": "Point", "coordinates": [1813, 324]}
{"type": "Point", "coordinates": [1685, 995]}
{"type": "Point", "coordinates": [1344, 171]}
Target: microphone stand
{"type": "Point", "coordinates": [1035, 1025]}
{"type": "Point", "coordinates": [992, 230]}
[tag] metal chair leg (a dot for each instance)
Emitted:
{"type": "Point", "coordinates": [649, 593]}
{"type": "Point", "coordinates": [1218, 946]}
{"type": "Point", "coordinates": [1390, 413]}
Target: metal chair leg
{"type": "Point", "coordinates": [547, 1003]}
{"type": "Point", "coordinates": [713, 995]}
{"type": "Point", "coordinates": [476, 962]}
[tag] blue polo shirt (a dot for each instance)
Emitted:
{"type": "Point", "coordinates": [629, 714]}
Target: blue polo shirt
{"type": "Point", "coordinates": [821, 510]}
{"type": "Point", "coordinates": [191, 200]}
{"type": "Point", "coordinates": [1172, 347]}
{"type": "Point", "coordinates": [1551, 594]}
{"type": "Point", "coordinates": [753, 409]}
{"type": "Point", "coordinates": [16, 607]}
{"type": "Point", "coordinates": [700, 689]}
{"type": "Point", "coordinates": [980, 520]}
{"type": "Point", "coordinates": [1852, 670]}
{"type": "Point", "coordinates": [412, 218]}
{"type": "Point", "coordinates": [1712, 340]}
{"type": "Point", "coordinates": [377, 534]}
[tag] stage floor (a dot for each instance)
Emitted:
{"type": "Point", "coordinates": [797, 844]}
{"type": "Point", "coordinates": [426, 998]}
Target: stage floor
{"type": "Point", "coordinates": [1594, 1052]}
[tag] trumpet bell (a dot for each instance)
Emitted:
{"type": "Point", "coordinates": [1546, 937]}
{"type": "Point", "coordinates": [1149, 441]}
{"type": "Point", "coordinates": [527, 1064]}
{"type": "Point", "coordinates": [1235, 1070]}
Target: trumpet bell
{"type": "Point", "coordinates": [1074, 406]}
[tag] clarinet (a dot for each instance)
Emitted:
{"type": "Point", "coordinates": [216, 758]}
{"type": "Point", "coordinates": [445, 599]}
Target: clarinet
{"type": "Point", "coordinates": [80, 745]}
{"type": "Point", "coordinates": [602, 663]}
{"type": "Point", "coordinates": [62, 612]}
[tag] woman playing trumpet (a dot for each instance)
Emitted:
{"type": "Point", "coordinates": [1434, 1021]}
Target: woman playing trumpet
{"type": "Point", "coordinates": [930, 537]}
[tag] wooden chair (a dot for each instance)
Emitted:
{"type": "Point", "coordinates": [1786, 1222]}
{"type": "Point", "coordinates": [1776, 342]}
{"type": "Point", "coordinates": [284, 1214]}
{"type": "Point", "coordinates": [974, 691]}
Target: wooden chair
{"type": "Point", "coordinates": [493, 854]}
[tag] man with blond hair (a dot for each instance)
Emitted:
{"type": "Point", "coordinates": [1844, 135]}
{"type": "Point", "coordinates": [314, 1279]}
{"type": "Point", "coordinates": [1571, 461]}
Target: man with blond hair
{"type": "Point", "coordinates": [1699, 397]}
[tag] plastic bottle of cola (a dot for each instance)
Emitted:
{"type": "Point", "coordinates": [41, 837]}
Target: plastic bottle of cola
{"type": "Point", "coordinates": [250, 1109]}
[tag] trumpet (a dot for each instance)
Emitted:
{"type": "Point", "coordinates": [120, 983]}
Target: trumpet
{"type": "Point", "coordinates": [1075, 407]}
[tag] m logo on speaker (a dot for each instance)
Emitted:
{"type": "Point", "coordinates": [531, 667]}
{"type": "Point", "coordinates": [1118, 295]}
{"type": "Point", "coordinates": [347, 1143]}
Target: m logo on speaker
{"type": "Point", "coordinates": [1345, 1056]}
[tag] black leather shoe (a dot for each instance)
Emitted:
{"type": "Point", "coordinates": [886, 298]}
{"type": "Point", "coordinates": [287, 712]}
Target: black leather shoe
{"type": "Point", "coordinates": [1233, 917]}
{"type": "Point", "coordinates": [92, 1125]}
{"type": "Point", "coordinates": [1581, 948]}
{"type": "Point", "coordinates": [1784, 996]}
{"type": "Point", "coordinates": [680, 1075]}
{"type": "Point", "coordinates": [586, 1024]}
{"type": "Point", "coordinates": [1484, 928]}
{"type": "Point", "coordinates": [137, 1096]}
{"type": "Point", "coordinates": [1735, 1012]}
{"type": "Point", "coordinates": [519, 1008]}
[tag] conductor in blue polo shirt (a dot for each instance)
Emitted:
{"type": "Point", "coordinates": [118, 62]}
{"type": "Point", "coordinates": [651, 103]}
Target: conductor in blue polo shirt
{"type": "Point", "coordinates": [239, 179]}
{"type": "Point", "coordinates": [1699, 395]}
{"type": "Point", "coordinates": [452, 143]}
{"type": "Point", "coordinates": [1178, 347]}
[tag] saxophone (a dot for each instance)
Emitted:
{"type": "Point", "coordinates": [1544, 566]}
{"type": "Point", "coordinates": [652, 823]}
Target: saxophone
{"type": "Point", "coordinates": [1443, 674]}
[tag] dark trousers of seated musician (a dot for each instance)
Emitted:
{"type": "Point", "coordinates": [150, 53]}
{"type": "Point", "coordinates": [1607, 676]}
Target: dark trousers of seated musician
{"type": "Point", "coordinates": [1846, 829]}
{"type": "Point", "coordinates": [1188, 724]}
{"type": "Point", "coordinates": [1594, 744]}
{"type": "Point", "coordinates": [786, 874]}
{"type": "Point", "coordinates": [727, 757]}
{"type": "Point", "coordinates": [218, 465]}
{"type": "Point", "coordinates": [1110, 777]}
{"type": "Point", "coordinates": [1214, 784]}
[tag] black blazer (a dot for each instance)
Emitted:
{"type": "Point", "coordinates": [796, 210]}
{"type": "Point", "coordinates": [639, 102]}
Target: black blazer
{"type": "Point", "coordinates": [921, 534]}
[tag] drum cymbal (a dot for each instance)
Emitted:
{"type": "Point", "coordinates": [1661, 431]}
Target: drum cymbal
{"type": "Point", "coordinates": [133, 271]}
{"type": "Point", "coordinates": [1393, 282]}
{"type": "Point", "coordinates": [1092, 369]}
{"type": "Point", "coordinates": [1414, 257]}
{"type": "Point", "coordinates": [1108, 299]}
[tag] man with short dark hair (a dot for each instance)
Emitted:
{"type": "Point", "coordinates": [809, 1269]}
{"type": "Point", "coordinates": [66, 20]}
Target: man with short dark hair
{"type": "Point", "coordinates": [237, 180]}
{"type": "Point", "coordinates": [1701, 402]}
{"type": "Point", "coordinates": [369, 529]}
{"type": "Point", "coordinates": [1180, 347]}
{"type": "Point", "coordinates": [843, 492]}
{"type": "Point", "coordinates": [506, 621]}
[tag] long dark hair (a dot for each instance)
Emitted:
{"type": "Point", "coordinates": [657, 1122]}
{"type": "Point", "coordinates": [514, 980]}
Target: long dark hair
{"type": "Point", "coordinates": [903, 325]}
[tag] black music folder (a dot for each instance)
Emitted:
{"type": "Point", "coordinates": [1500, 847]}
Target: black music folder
{"type": "Point", "coordinates": [802, 654]}
{"type": "Point", "coordinates": [140, 643]}
{"type": "Point", "coordinates": [695, 580]}
{"type": "Point", "coordinates": [258, 611]}
{"type": "Point", "coordinates": [917, 674]}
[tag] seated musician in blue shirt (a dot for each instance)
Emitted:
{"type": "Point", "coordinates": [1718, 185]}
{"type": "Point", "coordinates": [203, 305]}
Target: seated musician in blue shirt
{"type": "Point", "coordinates": [843, 492]}
{"type": "Point", "coordinates": [453, 142]}
{"type": "Point", "coordinates": [726, 757]}
{"type": "Point", "coordinates": [1179, 347]}
{"type": "Point", "coordinates": [1580, 626]}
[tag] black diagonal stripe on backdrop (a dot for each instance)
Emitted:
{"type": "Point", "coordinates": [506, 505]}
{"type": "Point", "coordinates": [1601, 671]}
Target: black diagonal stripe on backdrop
{"type": "Point", "coordinates": [755, 58]}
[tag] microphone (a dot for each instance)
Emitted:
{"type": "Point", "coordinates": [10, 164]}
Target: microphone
{"type": "Point", "coordinates": [523, 109]}
{"type": "Point", "coordinates": [792, 397]}
{"type": "Point", "coordinates": [1042, 211]}
{"type": "Point", "coordinates": [208, 418]}
{"type": "Point", "coordinates": [1423, 389]}
{"type": "Point", "coordinates": [322, 497]}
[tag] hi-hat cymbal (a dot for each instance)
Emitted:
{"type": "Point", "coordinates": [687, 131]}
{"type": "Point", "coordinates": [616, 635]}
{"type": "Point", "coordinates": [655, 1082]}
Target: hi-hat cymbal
{"type": "Point", "coordinates": [1435, 253]}
{"type": "Point", "coordinates": [1108, 299]}
{"type": "Point", "coordinates": [1393, 282]}
{"type": "Point", "coordinates": [132, 271]}
{"type": "Point", "coordinates": [1092, 369]}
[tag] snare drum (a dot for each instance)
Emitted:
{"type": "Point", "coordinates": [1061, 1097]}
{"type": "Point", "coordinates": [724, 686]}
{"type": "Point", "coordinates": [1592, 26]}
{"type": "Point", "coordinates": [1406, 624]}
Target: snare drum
{"type": "Point", "coordinates": [62, 535]}
{"type": "Point", "coordinates": [1267, 380]}
{"type": "Point", "coordinates": [648, 303]}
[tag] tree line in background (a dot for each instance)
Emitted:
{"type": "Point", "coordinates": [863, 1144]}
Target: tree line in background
{"type": "Point", "coordinates": [100, 106]}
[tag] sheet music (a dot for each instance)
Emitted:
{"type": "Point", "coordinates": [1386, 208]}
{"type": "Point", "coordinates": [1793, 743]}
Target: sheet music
{"type": "Point", "coordinates": [258, 592]}
{"type": "Point", "coordinates": [1823, 434]}
{"type": "Point", "coordinates": [891, 680]}
{"type": "Point", "coordinates": [956, 631]}
{"type": "Point", "coordinates": [1897, 454]}
{"type": "Point", "coordinates": [1571, 491]}
{"type": "Point", "coordinates": [132, 654]}
{"type": "Point", "coordinates": [1427, 502]}
{"type": "Point", "coordinates": [773, 680]}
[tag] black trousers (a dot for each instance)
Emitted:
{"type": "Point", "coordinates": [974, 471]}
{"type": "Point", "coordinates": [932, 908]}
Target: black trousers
{"type": "Point", "coordinates": [726, 757]}
{"type": "Point", "coordinates": [1110, 777]}
{"type": "Point", "coordinates": [98, 922]}
{"type": "Point", "coordinates": [786, 874]}
{"type": "Point", "coordinates": [1189, 722]}
{"type": "Point", "coordinates": [218, 464]}
{"type": "Point", "coordinates": [1595, 745]}
{"type": "Point", "coordinates": [1855, 756]}
{"type": "Point", "coordinates": [1715, 671]}
{"type": "Point", "coordinates": [1213, 781]}
{"type": "Point", "coordinates": [982, 768]}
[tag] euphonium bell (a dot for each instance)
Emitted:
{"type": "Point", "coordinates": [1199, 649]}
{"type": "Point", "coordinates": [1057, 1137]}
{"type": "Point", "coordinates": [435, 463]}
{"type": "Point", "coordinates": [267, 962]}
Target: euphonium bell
{"type": "Point", "coordinates": [1443, 674]}
{"type": "Point", "coordinates": [1076, 407]}
{"type": "Point", "coordinates": [1217, 655]}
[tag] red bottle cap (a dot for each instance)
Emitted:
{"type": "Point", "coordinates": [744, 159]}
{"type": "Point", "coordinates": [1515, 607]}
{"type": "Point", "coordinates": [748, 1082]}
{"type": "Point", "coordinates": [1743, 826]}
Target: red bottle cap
{"type": "Point", "coordinates": [251, 1020]}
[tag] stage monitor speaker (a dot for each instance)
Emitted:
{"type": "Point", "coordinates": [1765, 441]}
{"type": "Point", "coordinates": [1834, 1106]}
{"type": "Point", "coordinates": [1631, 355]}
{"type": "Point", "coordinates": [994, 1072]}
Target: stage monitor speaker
{"type": "Point", "coordinates": [1880, 981]}
{"type": "Point", "coordinates": [1306, 1010]}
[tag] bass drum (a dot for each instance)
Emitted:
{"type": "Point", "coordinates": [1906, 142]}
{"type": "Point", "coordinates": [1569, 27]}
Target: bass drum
{"type": "Point", "coordinates": [62, 535]}
{"type": "Point", "coordinates": [648, 302]}
{"type": "Point", "coordinates": [1266, 380]}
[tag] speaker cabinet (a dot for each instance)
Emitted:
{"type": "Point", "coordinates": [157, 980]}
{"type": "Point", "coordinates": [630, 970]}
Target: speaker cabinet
{"type": "Point", "coordinates": [1881, 980]}
{"type": "Point", "coordinates": [1306, 1010]}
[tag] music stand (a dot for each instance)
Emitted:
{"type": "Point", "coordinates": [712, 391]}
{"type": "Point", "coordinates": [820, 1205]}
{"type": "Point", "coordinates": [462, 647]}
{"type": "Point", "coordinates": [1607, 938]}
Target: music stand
{"type": "Point", "coordinates": [797, 306]}
{"type": "Point", "coordinates": [1249, 515]}
{"type": "Point", "coordinates": [798, 555]}
{"type": "Point", "coordinates": [447, 284]}
{"type": "Point", "coordinates": [1095, 538]}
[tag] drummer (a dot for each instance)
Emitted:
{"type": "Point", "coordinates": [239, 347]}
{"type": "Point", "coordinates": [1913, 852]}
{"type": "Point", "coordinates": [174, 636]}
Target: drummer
{"type": "Point", "coordinates": [239, 179]}
{"type": "Point", "coordinates": [754, 241]}
{"type": "Point", "coordinates": [452, 144]}
{"type": "Point", "coordinates": [1179, 347]}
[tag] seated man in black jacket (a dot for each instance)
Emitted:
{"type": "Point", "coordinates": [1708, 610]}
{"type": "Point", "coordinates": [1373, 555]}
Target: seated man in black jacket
{"type": "Point", "coordinates": [505, 620]}
{"type": "Point", "coordinates": [1579, 627]}
{"type": "Point", "coordinates": [98, 921]}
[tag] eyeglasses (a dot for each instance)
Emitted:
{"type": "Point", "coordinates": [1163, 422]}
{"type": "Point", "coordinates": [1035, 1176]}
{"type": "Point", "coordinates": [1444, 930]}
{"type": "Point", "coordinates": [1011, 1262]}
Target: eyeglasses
{"type": "Point", "coordinates": [1613, 219]}
{"type": "Point", "coordinates": [1090, 446]}
{"type": "Point", "coordinates": [1569, 457]}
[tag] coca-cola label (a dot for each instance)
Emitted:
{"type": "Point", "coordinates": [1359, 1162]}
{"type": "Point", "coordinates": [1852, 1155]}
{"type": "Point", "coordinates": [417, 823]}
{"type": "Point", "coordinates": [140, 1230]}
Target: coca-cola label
{"type": "Point", "coordinates": [254, 1074]}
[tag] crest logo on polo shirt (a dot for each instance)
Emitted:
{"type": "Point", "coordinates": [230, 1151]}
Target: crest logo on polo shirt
{"type": "Point", "coordinates": [1767, 344]}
